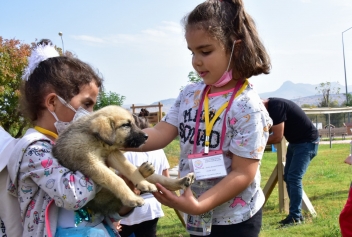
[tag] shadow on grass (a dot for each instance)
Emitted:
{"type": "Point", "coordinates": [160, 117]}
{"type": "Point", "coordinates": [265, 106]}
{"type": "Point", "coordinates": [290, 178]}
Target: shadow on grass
{"type": "Point", "coordinates": [171, 230]}
{"type": "Point", "coordinates": [343, 194]}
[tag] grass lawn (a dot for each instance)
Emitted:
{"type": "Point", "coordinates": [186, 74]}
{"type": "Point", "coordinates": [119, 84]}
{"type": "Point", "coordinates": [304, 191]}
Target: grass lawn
{"type": "Point", "coordinates": [326, 183]}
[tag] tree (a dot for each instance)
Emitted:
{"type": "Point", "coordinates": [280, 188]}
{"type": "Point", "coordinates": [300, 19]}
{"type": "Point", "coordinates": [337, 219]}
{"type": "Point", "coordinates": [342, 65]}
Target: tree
{"type": "Point", "coordinates": [193, 77]}
{"type": "Point", "coordinates": [108, 98]}
{"type": "Point", "coordinates": [13, 59]}
{"type": "Point", "coordinates": [349, 97]}
{"type": "Point", "coordinates": [326, 89]}
{"type": "Point", "coordinates": [307, 106]}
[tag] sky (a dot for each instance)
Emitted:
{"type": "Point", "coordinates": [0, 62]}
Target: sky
{"type": "Point", "coordinates": [139, 47]}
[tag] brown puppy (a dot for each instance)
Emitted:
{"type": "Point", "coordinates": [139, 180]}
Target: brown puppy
{"type": "Point", "coordinates": [93, 143]}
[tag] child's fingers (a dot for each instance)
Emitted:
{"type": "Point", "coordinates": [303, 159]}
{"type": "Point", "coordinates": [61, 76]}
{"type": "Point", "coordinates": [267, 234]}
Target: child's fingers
{"type": "Point", "coordinates": [162, 191]}
{"type": "Point", "coordinates": [130, 184]}
{"type": "Point", "coordinates": [164, 196]}
{"type": "Point", "coordinates": [188, 192]}
{"type": "Point", "coordinates": [186, 202]}
{"type": "Point", "coordinates": [117, 225]}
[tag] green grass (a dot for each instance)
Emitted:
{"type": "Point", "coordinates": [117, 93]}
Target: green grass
{"type": "Point", "coordinates": [172, 152]}
{"type": "Point", "coordinates": [326, 183]}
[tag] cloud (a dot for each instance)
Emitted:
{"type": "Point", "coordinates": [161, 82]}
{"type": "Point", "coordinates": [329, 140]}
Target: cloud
{"type": "Point", "coordinates": [344, 3]}
{"type": "Point", "coordinates": [167, 28]}
{"type": "Point", "coordinates": [154, 33]}
{"type": "Point", "coordinates": [304, 52]}
{"type": "Point", "coordinates": [171, 27]}
{"type": "Point", "coordinates": [87, 38]}
{"type": "Point", "coordinates": [168, 33]}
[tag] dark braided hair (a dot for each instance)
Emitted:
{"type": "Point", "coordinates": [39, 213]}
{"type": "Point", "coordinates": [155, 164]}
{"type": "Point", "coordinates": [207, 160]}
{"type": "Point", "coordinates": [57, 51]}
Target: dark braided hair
{"type": "Point", "coordinates": [227, 21]}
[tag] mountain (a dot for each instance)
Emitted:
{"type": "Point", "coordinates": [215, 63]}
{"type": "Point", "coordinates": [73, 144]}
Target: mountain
{"type": "Point", "coordinates": [290, 90]}
{"type": "Point", "coordinates": [300, 93]}
{"type": "Point", "coordinates": [167, 103]}
{"type": "Point", "coordinates": [315, 99]}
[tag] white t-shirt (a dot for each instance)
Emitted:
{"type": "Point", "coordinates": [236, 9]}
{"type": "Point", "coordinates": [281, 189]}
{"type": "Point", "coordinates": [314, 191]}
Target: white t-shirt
{"type": "Point", "coordinates": [247, 123]}
{"type": "Point", "coordinates": [10, 215]}
{"type": "Point", "coordinates": [7, 142]}
{"type": "Point", "coordinates": [152, 208]}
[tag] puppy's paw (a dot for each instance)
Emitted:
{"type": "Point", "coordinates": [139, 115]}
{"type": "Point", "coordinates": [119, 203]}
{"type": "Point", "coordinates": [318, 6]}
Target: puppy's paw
{"type": "Point", "coordinates": [146, 169]}
{"type": "Point", "coordinates": [145, 186]}
{"type": "Point", "coordinates": [188, 180]}
{"type": "Point", "coordinates": [133, 201]}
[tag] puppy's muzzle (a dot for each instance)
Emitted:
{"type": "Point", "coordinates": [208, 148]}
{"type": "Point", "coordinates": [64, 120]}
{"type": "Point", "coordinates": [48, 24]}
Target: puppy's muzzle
{"type": "Point", "coordinates": [136, 139]}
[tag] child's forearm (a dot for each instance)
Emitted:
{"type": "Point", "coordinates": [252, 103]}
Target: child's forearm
{"type": "Point", "coordinates": [125, 210]}
{"type": "Point", "coordinates": [159, 137]}
{"type": "Point", "coordinates": [241, 176]}
{"type": "Point", "coordinates": [228, 188]}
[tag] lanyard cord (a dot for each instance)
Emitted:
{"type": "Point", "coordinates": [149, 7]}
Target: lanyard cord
{"type": "Point", "coordinates": [209, 126]}
{"type": "Point", "coordinates": [46, 132]}
{"type": "Point", "coordinates": [236, 92]}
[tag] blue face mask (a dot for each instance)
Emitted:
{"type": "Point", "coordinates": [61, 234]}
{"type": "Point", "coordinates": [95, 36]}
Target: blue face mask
{"type": "Point", "coordinates": [79, 113]}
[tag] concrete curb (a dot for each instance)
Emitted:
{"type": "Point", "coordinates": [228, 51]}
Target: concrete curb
{"type": "Point", "coordinates": [336, 141]}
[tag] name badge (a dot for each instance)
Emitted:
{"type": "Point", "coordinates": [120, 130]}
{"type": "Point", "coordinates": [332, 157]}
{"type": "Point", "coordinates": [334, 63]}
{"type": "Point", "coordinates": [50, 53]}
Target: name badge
{"type": "Point", "coordinates": [208, 166]}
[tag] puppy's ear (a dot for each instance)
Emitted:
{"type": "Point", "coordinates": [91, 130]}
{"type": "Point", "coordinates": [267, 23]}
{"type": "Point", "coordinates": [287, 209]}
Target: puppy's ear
{"type": "Point", "coordinates": [104, 129]}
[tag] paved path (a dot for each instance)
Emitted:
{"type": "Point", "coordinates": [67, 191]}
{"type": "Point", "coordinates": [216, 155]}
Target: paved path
{"type": "Point", "coordinates": [174, 172]}
{"type": "Point", "coordinates": [336, 141]}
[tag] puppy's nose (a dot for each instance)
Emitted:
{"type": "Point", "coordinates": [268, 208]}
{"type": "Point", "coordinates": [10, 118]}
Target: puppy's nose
{"type": "Point", "coordinates": [145, 136]}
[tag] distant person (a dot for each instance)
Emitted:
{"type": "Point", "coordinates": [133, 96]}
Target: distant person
{"type": "Point", "coordinates": [345, 218]}
{"type": "Point", "coordinates": [143, 221]}
{"type": "Point", "coordinates": [289, 120]}
{"type": "Point", "coordinates": [327, 126]}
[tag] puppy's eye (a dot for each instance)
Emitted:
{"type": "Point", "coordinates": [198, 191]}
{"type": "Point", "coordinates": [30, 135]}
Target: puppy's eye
{"type": "Point", "coordinates": [126, 125]}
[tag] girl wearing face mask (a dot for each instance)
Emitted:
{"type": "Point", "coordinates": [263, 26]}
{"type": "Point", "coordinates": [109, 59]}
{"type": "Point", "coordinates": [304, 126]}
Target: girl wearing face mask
{"type": "Point", "coordinates": [56, 91]}
{"type": "Point", "coordinates": [221, 123]}
{"type": "Point", "coordinates": [60, 125]}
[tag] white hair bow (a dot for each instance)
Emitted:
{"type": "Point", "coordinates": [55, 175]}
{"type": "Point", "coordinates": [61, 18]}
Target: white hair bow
{"type": "Point", "coordinates": [39, 54]}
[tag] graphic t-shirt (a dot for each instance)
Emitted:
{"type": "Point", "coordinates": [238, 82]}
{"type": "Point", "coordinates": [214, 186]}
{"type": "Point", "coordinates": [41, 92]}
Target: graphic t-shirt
{"type": "Point", "coordinates": [37, 178]}
{"type": "Point", "coordinates": [247, 125]}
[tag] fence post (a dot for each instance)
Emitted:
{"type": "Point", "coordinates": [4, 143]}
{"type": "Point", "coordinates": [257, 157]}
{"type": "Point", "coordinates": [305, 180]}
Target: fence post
{"type": "Point", "coordinates": [277, 176]}
{"type": "Point", "coordinates": [281, 161]}
{"type": "Point", "coordinates": [133, 108]}
{"type": "Point", "coordinates": [159, 114]}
